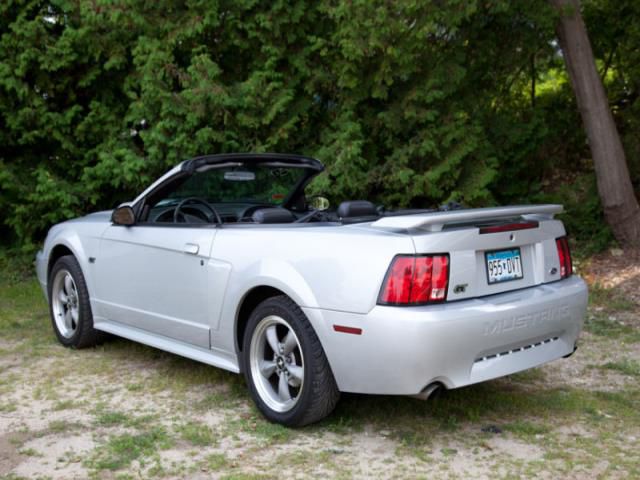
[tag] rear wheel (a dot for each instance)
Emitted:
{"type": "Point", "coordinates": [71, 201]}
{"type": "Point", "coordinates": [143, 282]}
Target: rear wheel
{"type": "Point", "coordinates": [285, 366]}
{"type": "Point", "coordinates": [69, 305]}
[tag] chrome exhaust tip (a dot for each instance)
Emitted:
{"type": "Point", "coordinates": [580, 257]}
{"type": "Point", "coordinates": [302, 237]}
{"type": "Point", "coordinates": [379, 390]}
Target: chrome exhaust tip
{"type": "Point", "coordinates": [431, 391]}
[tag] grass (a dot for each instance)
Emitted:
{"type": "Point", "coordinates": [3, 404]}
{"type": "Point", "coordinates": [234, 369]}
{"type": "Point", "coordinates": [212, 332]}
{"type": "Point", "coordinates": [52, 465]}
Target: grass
{"type": "Point", "coordinates": [111, 418]}
{"type": "Point", "coordinates": [526, 429]}
{"type": "Point", "coordinates": [603, 325]}
{"type": "Point", "coordinates": [8, 407]}
{"type": "Point", "coordinates": [30, 452]}
{"type": "Point", "coordinates": [255, 425]}
{"type": "Point", "coordinates": [24, 313]}
{"type": "Point", "coordinates": [183, 417]}
{"type": "Point", "coordinates": [415, 421]}
{"type": "Point", "coordinates": [611, 299]}
{"type": "Point", "coordinates": [120, 450]}
{"type": "Point", "coordinates": [216, 461]}
{"type": "Point", "coordinates": [197, 434]}
{"type": "Point", "coordinates": [63, 426]}
{"type": "Point", "coordinates": [626, 367]}
{"type": "Point", "coordinates": [65, 405]}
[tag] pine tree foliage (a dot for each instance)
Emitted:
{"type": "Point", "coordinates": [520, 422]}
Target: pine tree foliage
{"type": "Point", "coordinates": [409, 103]}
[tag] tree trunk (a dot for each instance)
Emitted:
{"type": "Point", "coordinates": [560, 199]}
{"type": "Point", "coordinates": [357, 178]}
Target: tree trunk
{"type": "Point", "coordinates": [618, 199]}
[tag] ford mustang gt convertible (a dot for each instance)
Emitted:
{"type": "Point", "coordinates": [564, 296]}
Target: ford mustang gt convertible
{"type": "Point", "coordinates": [226, 261]}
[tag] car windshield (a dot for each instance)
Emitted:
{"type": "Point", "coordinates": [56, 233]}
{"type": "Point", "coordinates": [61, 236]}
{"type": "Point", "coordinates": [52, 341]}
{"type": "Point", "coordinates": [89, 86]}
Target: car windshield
{"type": "Point", "coordinates": [256, 183]}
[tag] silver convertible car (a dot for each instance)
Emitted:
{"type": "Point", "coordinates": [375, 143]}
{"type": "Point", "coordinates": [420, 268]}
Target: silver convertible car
{"type": "Point", "coordinates": [225, 260]}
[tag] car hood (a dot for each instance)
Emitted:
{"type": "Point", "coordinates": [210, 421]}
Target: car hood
{"type": "Point", "coordinates": [103, 216]}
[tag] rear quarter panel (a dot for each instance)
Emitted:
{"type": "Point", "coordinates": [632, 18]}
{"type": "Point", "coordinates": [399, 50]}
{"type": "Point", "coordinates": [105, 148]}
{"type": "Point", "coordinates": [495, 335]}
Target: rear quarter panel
{"type": "Point", "coordinates": [336, 268]}
{"type": "Point", "coordinates": [329, 267]}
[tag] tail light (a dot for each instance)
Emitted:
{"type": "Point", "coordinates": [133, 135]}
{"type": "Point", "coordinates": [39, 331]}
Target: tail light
{"type": "Point", "coordinates": [509, 227]}
{"type": "Point", "coordinates": [564, 255]}
{"type": "Point", "coordinates": [415, 280]}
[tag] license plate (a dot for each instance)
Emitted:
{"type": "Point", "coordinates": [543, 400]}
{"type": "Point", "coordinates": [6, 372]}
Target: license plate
{"type": "Point", "coordinates": [503, 265]}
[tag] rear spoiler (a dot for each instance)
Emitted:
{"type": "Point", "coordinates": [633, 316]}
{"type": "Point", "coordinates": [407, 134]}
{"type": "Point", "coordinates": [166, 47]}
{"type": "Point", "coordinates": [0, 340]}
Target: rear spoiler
{"type": "Point", "coordinates": [434, 222]}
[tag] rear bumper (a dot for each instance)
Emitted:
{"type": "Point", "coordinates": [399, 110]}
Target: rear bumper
{"type": "Point", "coordinates": [404, 349]}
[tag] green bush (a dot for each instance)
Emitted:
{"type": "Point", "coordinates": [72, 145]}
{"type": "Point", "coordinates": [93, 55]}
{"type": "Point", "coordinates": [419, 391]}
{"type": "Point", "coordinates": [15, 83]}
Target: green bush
{"type": "Point", "coordinates": [407, 103]}
{"type": "Point", "coordinates": [583, 217]}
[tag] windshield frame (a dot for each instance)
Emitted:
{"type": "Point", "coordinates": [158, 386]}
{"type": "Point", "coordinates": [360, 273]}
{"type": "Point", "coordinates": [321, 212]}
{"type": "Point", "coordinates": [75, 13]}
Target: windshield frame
{"type": "Point", "coordinates": [210, 183]}
{"type": "Point", "coordinates": [312, 166]}
{"type": "Point", "coordinates": [170, 181]}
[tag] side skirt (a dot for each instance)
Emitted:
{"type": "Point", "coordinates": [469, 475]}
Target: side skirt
{"type": "Point", "coordinates": [211, 357]}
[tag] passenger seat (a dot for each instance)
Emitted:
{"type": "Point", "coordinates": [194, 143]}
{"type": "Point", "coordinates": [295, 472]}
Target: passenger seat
{"type": "Point", "coordinates": [353, 211]}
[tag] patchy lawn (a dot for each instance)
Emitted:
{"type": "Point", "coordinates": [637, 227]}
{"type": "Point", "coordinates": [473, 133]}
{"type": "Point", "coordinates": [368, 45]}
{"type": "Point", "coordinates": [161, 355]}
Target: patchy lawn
{"type": "Point", "coordinates": [124, 410]}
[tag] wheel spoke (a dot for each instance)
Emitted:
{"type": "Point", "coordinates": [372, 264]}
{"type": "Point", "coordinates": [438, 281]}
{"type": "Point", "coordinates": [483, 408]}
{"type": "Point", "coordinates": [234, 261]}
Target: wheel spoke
{"type": "Point", "coordinates": [297, 373]}
{"type": "Point", "coordinates": [283, 389]}
{"type": "Point", "coordinates": [67, 319]}
{"type": "Point", "coordinates": [272, 338]}
{"type": "Point", "coordinates": [289, 342]}
{"type": "Point", "coordinates": [267, 368]}
{"type": "Point", "coordinates": [74, 315]}
{"type": "Point", "coordinates": [62, 297]}
{"type": "Point", "coordinates": [68, 285]}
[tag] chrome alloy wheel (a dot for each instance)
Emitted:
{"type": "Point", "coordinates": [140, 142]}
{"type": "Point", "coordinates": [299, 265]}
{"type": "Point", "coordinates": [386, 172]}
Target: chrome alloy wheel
{"type": "Point", "coordinates": [277, 363]}
{"type": "Point", "coordinates": [65, 303]}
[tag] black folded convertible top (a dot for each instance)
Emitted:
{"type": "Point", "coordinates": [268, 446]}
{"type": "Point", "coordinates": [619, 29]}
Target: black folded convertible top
{"type": "Point", "coordinates": [284, 158]}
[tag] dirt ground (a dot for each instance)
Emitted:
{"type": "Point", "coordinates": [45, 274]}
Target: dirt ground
{"type": "Point", "coordinates": [124, 411]}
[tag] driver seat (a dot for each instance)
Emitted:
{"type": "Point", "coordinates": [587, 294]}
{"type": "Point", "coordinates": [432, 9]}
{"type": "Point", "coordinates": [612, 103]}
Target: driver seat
{"type": "Point", "coordinates": [272, 215]}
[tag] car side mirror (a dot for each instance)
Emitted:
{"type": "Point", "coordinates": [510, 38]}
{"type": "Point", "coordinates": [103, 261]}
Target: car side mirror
{"type": "Point", "coordinates": [319, 203]}
{"type": "Point", "coordinates": [123, 215]}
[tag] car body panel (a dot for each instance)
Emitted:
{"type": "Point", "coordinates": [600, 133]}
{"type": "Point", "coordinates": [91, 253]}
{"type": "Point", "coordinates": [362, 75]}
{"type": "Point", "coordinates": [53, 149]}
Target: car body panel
{"type": "Point", "coordinates": [212, 356]}
{"type": "Point", "coordinates": [309, 265]}
{"type": "Point", "coordinates": [403, 350]}
{"type": "Point", "coordinates": [152, 277]}
{"type": "Point", "coordinates": [311, 262]}
{"type": "Point", "coordinates": [435, 221]}
{"type": "Point", "coordinates": [181, 288]}
{"type": "Point", "coordinates": [81, 236]}
{"type": "Point", "coordinates": [467, 247]}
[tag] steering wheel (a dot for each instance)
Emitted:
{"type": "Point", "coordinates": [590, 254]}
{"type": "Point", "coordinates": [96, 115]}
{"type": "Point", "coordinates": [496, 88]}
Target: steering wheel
{"type": "Point", "coordinates": [204, 203]}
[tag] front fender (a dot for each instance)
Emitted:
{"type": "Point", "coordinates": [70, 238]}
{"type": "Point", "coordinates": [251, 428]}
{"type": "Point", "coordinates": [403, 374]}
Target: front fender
{"type": "Point", "coordinates": [79, 246]}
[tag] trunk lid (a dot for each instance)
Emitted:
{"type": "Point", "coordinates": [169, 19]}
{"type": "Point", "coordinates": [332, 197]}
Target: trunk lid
{"type": "Point", "coordinates": [461, 234]}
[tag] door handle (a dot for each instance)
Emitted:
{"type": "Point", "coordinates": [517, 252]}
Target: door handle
{"type": "Point", "coordinates": [191, 248]}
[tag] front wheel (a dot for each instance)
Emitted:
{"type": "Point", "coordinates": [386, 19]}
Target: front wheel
{"type": "Point", "coordinates": [286, 369]}
{"type": "Point", "coordinates": [69, 305]}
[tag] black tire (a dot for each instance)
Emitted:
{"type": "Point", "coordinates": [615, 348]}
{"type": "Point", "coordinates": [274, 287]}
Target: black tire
{"type": "Point", "coordinates": [319, 393]}
{"type": "Point", "coordinates": [83, 334]}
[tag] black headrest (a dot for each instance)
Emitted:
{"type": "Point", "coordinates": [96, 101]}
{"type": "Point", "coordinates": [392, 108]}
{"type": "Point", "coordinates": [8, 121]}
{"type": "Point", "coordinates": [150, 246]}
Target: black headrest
{"type": "Point", "coordinates": [272, 215]}
{"type": "Point", "coordinates": [357, 208]}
